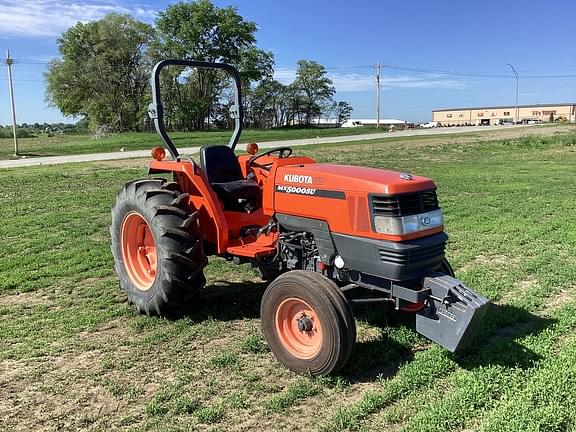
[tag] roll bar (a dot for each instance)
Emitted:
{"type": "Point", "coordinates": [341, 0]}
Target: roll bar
{"type": "Point", "coordinates": [156, 111]}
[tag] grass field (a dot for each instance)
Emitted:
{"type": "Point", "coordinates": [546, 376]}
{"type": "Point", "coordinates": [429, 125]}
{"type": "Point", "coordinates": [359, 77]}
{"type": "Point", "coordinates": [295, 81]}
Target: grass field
{"type": "Point", "coordinates": [83, 144]}
{"type": "Point", "coordinates": [74, 356]}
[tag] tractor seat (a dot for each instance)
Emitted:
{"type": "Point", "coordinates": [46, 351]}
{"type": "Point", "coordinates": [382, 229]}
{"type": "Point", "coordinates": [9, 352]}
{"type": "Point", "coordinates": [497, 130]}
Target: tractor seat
{"type": "Point", "coordinates": [222, 169]}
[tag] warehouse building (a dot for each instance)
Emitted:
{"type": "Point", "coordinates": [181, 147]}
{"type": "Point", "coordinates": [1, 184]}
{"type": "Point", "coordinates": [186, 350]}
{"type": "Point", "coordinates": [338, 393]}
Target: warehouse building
{"type": "Point", "coordinates": [505, 114]}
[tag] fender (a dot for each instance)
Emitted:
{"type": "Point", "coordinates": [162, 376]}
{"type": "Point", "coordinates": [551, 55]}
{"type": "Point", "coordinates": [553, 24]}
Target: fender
{"type": "Point", "coordinates": [192, 181]}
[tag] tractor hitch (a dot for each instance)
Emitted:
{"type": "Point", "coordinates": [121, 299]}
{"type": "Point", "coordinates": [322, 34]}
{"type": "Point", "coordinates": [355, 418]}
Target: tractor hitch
{"type": "Point", "coordinates": [452, 314]}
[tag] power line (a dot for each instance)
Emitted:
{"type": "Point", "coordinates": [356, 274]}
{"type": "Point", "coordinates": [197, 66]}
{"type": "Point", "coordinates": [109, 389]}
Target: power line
{"type": "Point", "coordinates": [468, 74]}
{"type": "Point", "coordinates": [465, 74]}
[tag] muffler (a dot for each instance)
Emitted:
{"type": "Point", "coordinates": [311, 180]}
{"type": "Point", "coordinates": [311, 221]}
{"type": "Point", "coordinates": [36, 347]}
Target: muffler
{"type": "Point", "coordinates": [452, 314]}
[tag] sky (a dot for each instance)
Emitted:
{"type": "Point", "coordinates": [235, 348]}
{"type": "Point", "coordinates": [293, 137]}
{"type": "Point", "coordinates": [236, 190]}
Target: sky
{"type": "Point", "coordinates": [434, 54]}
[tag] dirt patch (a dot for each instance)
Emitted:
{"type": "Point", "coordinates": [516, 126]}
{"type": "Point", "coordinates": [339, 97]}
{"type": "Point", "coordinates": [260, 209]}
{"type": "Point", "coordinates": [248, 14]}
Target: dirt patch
{"type": "Point", "coordinates": [94, 281]}
{"type": "Point", "coordinates": [489, 260]}
{"type": "Point", "coordinates": [561, 298]}
{"type": "Point", "coordinates": [71, 390]}
{"type": "Point", "coordinates": [37, 398]}
{"type": "Point", "coordinates": [24, 299]}
{"type": "Point", "coordinates": [519, 290]}
{"type": "Point", "coordinates": [13, 371]}
{"type": "Point", "coordinates": [115, 372]}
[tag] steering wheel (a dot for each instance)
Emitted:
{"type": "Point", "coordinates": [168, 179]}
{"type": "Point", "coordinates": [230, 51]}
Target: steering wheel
{"type": "Point", "coordinates": [283, 152]}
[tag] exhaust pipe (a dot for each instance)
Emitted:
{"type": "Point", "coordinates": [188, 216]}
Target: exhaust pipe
{"type": "Point", "coordinates": [452, 314]}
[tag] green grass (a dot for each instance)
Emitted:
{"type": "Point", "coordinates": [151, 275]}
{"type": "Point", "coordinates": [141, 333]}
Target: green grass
{"type": "Point", "coordinates": [298, 391]}
{"type": "Point", "coordinates": [74, 355]}
{"type": "Point", "coordinates": [84, 144]}
{"type": "Point", "coordinates": [60, 145]}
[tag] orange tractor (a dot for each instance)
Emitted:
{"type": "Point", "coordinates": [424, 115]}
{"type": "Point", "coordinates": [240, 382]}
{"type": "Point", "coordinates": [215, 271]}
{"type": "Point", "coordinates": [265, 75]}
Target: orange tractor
{"type": "Point", "coordinates": [325, 235]}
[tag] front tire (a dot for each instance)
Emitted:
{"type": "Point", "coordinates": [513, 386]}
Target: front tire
{"type": "Point", "coordinates": [157, 247]}
{"type": "Point", "coordinates": [307, 322]}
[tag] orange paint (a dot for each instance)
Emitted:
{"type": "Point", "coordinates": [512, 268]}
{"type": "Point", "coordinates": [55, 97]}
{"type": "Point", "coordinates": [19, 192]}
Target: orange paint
{"type": "Point", "coordinates": [138, 250]}
{"type": "Point", "coordinates": [300, 343]}
{"type": "Point", "coordinates": [340, 198]}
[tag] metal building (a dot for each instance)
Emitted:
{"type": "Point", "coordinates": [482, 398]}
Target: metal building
{"type": "Point", "coordinates": [505, 114]}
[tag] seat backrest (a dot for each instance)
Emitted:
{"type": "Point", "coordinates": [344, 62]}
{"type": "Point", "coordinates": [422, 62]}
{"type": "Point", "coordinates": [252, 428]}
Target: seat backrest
{"type": "Point", "coordinates": [220, 164]}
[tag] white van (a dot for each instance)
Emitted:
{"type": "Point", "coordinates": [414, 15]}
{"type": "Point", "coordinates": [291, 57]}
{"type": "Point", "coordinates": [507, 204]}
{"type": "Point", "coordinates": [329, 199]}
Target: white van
{"type": "Point", "coordinates": [350, 123]}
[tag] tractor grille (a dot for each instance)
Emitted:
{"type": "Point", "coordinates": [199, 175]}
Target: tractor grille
{"type": "Point", "coordinates": [405, 204]}
{"type": "Point", "coordinates": [418, 256]}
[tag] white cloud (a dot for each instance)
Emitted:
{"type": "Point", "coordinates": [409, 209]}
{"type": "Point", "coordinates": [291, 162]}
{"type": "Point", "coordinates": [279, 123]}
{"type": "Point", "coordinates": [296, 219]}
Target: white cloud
{"type": "Point", "coordinates": [285, 76]}
{"type": "Point", "coordinates": [352, 82]}
{"type": "Point", "coordinates": [42, 18]}
{"type": "Point", "coordinates": [355, 82]}
{"type": "Point", "coordinates": [40, 58]}
{"type": "Point", "coordinates": [420, 81]}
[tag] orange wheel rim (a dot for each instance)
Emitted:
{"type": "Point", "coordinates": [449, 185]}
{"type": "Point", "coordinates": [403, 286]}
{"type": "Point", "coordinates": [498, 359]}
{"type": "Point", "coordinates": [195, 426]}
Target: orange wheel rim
{"type": "Point", "coordinates": [299, 328]}
{"type": "Point", "coordinates": [138, 251]}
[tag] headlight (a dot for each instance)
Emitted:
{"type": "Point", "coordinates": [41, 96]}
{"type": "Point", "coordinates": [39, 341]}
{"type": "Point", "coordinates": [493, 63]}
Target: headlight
{"type": "Point", "coordinates": [408, 224]}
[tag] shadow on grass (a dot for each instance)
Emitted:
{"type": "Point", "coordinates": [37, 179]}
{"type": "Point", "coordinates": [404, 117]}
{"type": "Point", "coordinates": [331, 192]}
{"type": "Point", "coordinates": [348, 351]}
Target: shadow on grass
{"type": "Point", "coordinates": [376, 359]}
{"type": "Point", "coordinates": [381, 357]}
{"type": "Point", "coordinates": [229, 301]}
{"type": "Point", "coordinates": [497, 340]}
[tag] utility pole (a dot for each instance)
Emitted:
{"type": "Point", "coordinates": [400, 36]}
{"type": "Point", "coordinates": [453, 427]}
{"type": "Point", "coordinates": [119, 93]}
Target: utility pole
{"type": "Point", "coordinates": [378, 95]}
{"type": "Point", "coordinates": [516, 106]}
{"type": "Point", "coordinates": [9, 61]}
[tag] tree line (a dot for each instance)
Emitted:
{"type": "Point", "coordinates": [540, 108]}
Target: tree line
{"type": "Point", "coordinates": [102, 75]}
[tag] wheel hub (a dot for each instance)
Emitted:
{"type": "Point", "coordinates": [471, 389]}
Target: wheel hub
{"type": "Point", "coordinates": [305, 324]}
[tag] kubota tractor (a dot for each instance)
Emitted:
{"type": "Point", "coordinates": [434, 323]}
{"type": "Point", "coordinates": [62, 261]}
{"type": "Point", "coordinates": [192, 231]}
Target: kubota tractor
{"type": "Point", "coordinates": [320, 233]}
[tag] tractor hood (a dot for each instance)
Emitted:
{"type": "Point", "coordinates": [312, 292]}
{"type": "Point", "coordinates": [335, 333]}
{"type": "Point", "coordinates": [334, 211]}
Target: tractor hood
{"type": "Point", "coordinates": [342, 195]}
{"type": "Point", "coordinates": [342, 178]}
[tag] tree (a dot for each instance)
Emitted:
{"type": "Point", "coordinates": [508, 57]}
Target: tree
{"type": "Point", "coordinates": [103, 73]}
{"type": "Point", "coordinates": [314, 87]}
{"type": "Point", "coordinates": [201, 31]}
{"type": "Point", "coordinates": [342, 111]}
{"type": "Point", "coordinates": [268, 104]}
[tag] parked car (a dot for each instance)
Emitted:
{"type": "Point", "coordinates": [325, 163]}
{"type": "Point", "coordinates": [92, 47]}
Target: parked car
{"type": "Point", "coordinates": [431, 124]}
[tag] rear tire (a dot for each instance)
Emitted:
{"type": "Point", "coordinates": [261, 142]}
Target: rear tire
{"type": "Point", "coordinates": [307, 322]}
{"type": "Point", "coordinates": [157, 247]}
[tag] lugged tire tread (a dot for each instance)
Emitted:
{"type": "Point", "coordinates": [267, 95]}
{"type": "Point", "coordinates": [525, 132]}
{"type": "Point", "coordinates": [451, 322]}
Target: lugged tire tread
{"type": "Point", "coordinates": [181, 258]}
